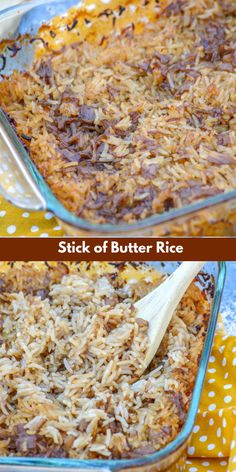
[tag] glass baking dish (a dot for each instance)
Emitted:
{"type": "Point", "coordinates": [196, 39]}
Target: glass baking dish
{"type": "Point", "coordinates": [172, 457]}
{"type": "Point", "coordinates": [22, 184]}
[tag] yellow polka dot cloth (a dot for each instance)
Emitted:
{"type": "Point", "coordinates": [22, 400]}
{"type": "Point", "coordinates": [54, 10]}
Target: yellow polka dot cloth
{"type": "Point", "coordinates": [16, 222]}
{"type": "Point", "coordinates": [213, 445]}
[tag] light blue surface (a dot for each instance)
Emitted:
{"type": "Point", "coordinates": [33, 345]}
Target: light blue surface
{"type": "Point", "coordinates": [32, 20]}
{"type": "Point", "coordinates": [228, 304]}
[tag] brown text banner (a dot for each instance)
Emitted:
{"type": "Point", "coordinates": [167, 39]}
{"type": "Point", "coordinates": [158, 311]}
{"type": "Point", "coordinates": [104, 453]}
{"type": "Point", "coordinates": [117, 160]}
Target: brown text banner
{"type": "Point", "coordinates": [116, 249]}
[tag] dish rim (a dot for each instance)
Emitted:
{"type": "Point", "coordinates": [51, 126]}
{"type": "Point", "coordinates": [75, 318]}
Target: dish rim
{"type": "Point", "coordinates": [183, 436]}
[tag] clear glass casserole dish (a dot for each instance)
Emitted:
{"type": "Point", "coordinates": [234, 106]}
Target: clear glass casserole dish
{"type": "Point", "coordinates": [22, 184]}
{"type": "Point", "coordinates": [172, 457]}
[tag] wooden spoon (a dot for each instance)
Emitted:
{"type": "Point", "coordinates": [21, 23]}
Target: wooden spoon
{"type": "Point", "coordinates": [159, 305]}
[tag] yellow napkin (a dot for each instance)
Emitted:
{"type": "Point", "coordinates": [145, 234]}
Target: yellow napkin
{"type": "Point", "coordinates": [16, 222]}
{"type": "Point", "coordinates": [213, 445]}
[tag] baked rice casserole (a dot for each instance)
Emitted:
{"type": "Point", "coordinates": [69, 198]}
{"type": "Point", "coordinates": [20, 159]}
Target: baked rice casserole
{"type": "Point", "coordinates": [70, 350]}
{"type": "Point", "coordinates": [134, 123]}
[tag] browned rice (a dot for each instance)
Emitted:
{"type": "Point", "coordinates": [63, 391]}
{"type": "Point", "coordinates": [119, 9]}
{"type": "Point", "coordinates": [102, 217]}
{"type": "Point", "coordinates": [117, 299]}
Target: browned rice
{"type": "Point", "coordinates": [70, 349]}
{"type": "Point", "coordinates": [140, 124]}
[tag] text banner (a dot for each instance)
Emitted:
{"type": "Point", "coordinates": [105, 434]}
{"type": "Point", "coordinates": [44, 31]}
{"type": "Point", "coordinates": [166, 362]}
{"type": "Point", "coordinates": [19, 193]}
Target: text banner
{"type": "Point", "coordinates": [117, 249]}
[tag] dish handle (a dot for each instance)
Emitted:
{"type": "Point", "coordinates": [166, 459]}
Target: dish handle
{"type": "Point", "coordinates": [16, 182]}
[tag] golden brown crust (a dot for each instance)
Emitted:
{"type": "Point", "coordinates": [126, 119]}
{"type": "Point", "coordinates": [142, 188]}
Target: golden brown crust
{"type": "Point", "coordinates": [140, 125]}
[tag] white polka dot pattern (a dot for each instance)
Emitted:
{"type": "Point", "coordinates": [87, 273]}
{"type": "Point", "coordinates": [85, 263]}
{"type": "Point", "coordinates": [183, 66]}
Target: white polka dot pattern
{"type": "Point", "coordinates": [11, 229]}
{"type": "Point", "coordinates": [15, 222]}
{"type": "Point", "coordinates": [213, 446]}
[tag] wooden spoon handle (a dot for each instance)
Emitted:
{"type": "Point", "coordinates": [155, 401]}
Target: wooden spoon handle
{"type": "Point", "coordinates": [160, 306]}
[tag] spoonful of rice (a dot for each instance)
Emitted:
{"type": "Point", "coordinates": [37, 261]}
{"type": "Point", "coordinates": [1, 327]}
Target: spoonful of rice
{"type": "Point", "coordinates": [158, 307]}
